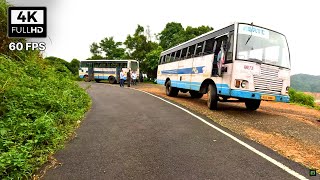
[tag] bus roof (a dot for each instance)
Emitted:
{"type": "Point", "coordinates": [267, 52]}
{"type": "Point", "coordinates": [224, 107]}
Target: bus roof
{"type": "Point", "coordinates": [203, 37]}
{"type": "Point", "coordinates": [106, 60]}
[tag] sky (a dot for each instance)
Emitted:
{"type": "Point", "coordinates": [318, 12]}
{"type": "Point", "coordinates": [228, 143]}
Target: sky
{"type": "Point", "coordinates": [73, 24]}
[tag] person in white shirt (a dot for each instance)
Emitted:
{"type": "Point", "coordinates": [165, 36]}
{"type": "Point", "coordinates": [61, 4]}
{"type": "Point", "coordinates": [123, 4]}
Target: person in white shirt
{"type": "Point", "coordinates": [121, 79]}
{"type": "Point", "coordinates": [134, 78]}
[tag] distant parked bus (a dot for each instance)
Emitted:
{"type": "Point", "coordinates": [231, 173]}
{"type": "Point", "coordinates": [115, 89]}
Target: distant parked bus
{"type": "Point", "coordinates": [242, 62]}
{"type": "Point", "coordinates": [106, 69]}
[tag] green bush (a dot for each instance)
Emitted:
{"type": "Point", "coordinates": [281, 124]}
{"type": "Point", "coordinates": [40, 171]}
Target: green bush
{"type": "Point", "coordinates": [39, 109]}
{"type": "Point", "coordinates": [301, 98]}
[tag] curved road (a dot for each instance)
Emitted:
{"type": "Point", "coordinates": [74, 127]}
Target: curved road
{"type": "Point", "coordinates": [131, 135]}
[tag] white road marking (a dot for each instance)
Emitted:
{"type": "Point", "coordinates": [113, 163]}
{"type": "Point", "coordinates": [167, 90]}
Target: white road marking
{"type": "Point", "coordinates": [273, 161]}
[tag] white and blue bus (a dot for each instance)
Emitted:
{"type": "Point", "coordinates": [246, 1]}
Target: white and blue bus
{"type": "Point", "coordinates": [241, 62]}
{"type": "Point", "coordinates": [106, 69]}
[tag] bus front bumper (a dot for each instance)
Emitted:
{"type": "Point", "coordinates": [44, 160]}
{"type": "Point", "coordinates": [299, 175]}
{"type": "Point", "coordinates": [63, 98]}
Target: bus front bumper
{"type": "Point", "coordinates": [260, 96]}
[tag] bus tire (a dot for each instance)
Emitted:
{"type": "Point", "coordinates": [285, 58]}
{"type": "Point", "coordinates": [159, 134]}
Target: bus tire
{"type": "Point", "coordinates": [195, 94]}
{"type": "Point", "coordinates": [252, 104]}
{"type": "Point", "coordinates": [97, 80]}
{"type": "Point", "coordinates": [112, 80]}
{"type": "Point", "coordinates": [171, 91]}
{"type": "Point", "coordinates": [212, 97]}
{"type": "Point", "coordinates": [86, 78]}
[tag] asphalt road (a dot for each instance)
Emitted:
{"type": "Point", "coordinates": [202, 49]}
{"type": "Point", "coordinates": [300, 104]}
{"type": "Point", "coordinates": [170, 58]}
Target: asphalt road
{"type": "Point", "coordinates": [131, 135]}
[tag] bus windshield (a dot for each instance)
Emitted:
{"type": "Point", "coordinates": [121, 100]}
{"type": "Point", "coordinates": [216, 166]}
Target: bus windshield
{"type": "Point", "coordinates": [262, 46]}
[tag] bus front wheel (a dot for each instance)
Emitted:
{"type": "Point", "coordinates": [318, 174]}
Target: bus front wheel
{"type": "Point", "coordinates": [252, 104]}
{"type": "Point", "coordinates": [171, 91]}
{"type": "Point", "coordinates": [212, 97]}
{"type": "Point", "coordinates": [195, 94]}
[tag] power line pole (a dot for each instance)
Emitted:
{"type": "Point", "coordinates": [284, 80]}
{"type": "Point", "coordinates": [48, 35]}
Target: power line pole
{"type": "Point", "coordinates": [148, 33]}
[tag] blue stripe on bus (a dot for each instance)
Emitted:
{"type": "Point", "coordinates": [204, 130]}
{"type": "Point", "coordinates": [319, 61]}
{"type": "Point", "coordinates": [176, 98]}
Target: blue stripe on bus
{"type": "Point", "coordinates": [224, 89]}
{"type": "Point", "coordinates": [196, 70]}
{"type": "Point", "coordinates": [101, 77]}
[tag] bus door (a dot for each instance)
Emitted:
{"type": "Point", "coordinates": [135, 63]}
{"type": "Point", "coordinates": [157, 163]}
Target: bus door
{"type": "Point", "coordinates": [90, 71]}
{"type": "Point", "coordinates": [225, 71]}
{"type": "Point", "coordinates": [118, 69]}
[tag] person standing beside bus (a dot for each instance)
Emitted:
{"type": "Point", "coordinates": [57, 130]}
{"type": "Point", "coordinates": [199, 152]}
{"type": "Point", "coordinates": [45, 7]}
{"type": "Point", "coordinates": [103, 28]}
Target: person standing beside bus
{"type": "Point", "coordinates": [121, 79]}
{"type": "Point", "coordinates": [134, 78]}
{"type": "Point", "coordinates": [129, 78]}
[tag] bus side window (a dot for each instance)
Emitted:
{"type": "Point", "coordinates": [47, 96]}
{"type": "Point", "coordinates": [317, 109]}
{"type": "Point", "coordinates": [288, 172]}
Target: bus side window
{"type": "Point", "coordinates": [183, 53]}
{"type": "Point", "coordinates": [191, 51]}
{"type": "Point", "coordinates": [168, 58]}
{"type": "Point", "coordinates": [208, 49]}
{"type": "Point", "coordinates": [172, 56]}
{"type": "Point", "coordinates": [103, 65]}
{"type": "Point", "coordinates": [199, 49]}
{"type": "Point", "coordinates": [96, 65]}
{"type": "Point", "coordinates": [177, 57]}
{"type": "Point", "coordinates": [160, 60]}
{"type": "Point", "coordinates": [123, 65]}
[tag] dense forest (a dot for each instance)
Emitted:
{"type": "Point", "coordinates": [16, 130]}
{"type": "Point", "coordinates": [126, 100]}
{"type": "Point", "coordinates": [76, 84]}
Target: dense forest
{"type": "Point", "coordinates": [305, 82]}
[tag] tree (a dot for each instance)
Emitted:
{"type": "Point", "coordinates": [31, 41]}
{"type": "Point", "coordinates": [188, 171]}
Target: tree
{"type": "Point", "coordinates": [95, 49]}
{"type": "Point", "coordinates": [192, 32]}
{"type": "Point", "coordinates": [111, 48]}
{"type": "Point", "coordinates": [74, 66]}
{"type": "Point", "coordinates": [174, 34]}
{"type": "Point", "coordinates": [171, 35]}
{"type": "Point", "coordinates": [138, 47]}
{"type": "Point", "coordinates": [107, 47]}
{"type": "Point", "coordinates": [150, 64]}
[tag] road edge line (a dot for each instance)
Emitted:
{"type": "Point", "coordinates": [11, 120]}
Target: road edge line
{"type": "Point", "coordinates": [261, 154]}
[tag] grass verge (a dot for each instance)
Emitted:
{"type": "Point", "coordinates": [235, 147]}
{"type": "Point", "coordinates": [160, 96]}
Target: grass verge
{"type": "Point", "coordinates": [40, 108]}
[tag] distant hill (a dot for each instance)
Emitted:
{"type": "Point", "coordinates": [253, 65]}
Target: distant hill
{"type": "Point", "coordinates": [305, 82]}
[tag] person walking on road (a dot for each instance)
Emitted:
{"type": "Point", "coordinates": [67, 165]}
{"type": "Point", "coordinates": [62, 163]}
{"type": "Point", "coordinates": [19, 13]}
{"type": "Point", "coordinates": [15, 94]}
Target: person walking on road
{"type": "Point", "coordinates": [121, 79]}
{"type": "Point", "coordinates": [129, 78]}
{"type": "Point", "coordinates": [134, 78]}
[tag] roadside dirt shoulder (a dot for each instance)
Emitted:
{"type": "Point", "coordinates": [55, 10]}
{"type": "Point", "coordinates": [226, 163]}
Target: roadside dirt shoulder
{"type": "Point", "coordinates": [291, 130]}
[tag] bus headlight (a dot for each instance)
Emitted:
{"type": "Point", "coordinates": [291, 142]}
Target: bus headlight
{"type": "Point", "coordinates": [287, 89]}
{"type": "Point", "coordinates": [244, 84]}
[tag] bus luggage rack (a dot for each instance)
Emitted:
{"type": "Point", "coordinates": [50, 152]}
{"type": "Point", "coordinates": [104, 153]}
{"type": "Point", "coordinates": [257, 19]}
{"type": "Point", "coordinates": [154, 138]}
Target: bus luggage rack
{"type": "Point", "coordinates": [268, 81]}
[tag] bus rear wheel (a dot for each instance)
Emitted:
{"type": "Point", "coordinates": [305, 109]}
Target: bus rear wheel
{"type": "Point", "coordinates": [195, 94]}
{"type": "Point", "coordinates": [252, 104]}
{"type": "Point", "coordinates": [212, 97]}
{"type": "Point", "coordinates": [112, 80]}
{"type": "Point", "coordinates": [86, 78]}
{"type": "Point", "coordinates": [171, 91]}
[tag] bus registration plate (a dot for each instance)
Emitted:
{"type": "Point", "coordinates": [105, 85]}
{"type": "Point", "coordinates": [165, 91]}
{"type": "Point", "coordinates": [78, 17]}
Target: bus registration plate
{"type": "Point", "coordinates": [268, 97]}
